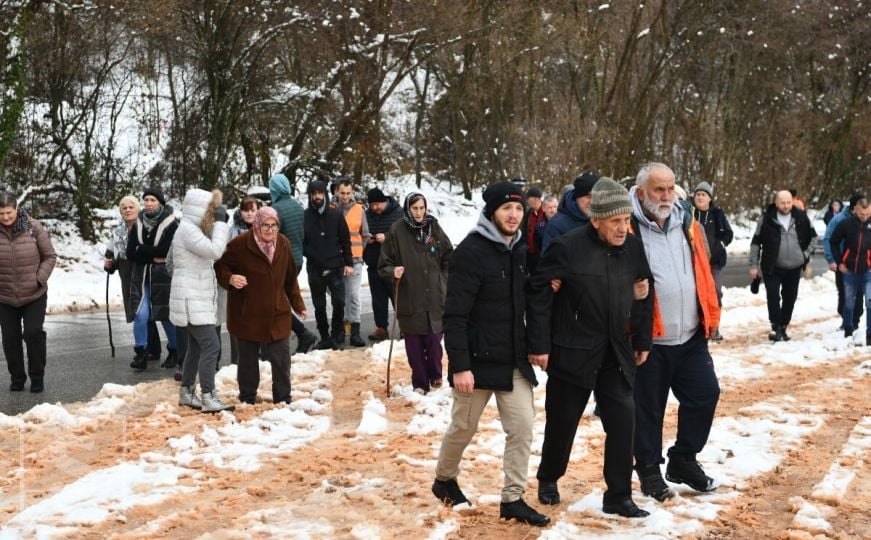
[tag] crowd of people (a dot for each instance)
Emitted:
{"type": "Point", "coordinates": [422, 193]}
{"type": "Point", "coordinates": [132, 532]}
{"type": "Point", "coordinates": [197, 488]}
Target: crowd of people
{"type": "Point", "coordinates": [612, 292]}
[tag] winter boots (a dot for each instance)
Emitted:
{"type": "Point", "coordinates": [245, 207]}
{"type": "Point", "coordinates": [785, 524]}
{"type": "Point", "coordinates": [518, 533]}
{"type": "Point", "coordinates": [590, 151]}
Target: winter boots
{"type": "Point", "coordinates": [305, 342]}
{"type": "Point", "coordinates": [448, 492]}
{"type": "Point", "coordinates": [548, 493]}
{"type": "Point", "coordinates": [326, 341]}
{"type": "Point", "coordinates": [686, 470]}
{"type": "Point", "coordinates": [652, 483]}
{"type": "Point", "coordinates": [171, 359]}
{"type": "Point", "coordinates": [338, 339]}
{"type": "Point", "coordinates": [356, 340]}
{"type": "Point", "coordinates": [139, 362]}
{"type": "Point", "coordinates": [380, 334]}
{"type": "Point", "coordinates": [778, 333]}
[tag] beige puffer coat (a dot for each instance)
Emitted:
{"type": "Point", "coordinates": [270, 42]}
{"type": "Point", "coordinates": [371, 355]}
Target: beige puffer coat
{"type": "Point", "coordinates": [26, 261]}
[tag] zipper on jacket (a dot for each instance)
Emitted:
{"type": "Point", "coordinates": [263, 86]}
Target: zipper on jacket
{"type": "Point", "coordinates": [859, 250]}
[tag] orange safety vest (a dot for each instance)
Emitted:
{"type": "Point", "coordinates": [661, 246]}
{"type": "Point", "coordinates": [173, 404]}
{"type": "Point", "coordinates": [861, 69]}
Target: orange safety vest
{"type": "Point", "coordinates": [706, 290]}
{"type": "Point", "coordinates": [354, 219]}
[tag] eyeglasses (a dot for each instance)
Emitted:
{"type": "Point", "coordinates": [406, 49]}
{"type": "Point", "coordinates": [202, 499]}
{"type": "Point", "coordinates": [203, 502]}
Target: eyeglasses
{"type": "Point", "coordinates": [266, 227]}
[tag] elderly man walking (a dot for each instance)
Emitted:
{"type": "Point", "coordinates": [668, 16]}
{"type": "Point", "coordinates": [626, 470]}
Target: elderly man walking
{"type": "Point", "coordinates": [780, 248]}
{"type": "Point", "coordinates": [685, 315]}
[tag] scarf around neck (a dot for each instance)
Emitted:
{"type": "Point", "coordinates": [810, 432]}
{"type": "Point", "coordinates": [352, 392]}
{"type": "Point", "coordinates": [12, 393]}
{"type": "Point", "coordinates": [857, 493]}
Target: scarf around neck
{"type": "Point", "coordinates": [422, 230]}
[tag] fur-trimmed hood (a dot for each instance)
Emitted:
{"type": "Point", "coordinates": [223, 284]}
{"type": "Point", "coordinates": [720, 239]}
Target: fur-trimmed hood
{"type": "Point", "coordinates": [199, 207]}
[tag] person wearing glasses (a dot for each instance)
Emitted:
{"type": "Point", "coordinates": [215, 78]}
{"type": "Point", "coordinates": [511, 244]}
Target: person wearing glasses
{"type": "Point", "coordinates": [259, 274]}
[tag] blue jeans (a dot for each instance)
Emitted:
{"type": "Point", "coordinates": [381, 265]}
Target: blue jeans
{"type": "Point", "coordinates": [853, 284]}
{"type": "Point", "coordinates": [140, 322]}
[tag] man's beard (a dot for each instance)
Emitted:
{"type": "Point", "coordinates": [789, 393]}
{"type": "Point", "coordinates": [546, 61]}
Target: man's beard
{"type": "Point", "coordinates": [503, 229]}
{"type": "Point", "coordinates": [654, 208]}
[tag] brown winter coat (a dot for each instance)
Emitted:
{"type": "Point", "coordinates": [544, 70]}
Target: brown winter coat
{"type": "Point", "coordinates": [422, 288]}
{"type": "Point", "coordinates": [259, 311]}
{"type": "Point", "coordinates": [26, 261]}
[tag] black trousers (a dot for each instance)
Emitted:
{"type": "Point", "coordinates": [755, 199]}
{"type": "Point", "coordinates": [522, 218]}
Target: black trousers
{"type": "Point", "coordinates": [859, 308]}
{"type": "Point", "coordinates": [688, 370]}
{"type": "Point", "coordinates": [296, 325]}
{"type": "Point", "coordinates": [382, 293]}
{"type": "Point", "coordinates": [564, 405]}
{"type": "Point", "coordinates": [248, 372]}
{"type": "Point", "coordinates": [781, 290]}
{"type": "Point", "coordinates": [32, 316]}
{"type": "Point", "coordinates": [319, 282]}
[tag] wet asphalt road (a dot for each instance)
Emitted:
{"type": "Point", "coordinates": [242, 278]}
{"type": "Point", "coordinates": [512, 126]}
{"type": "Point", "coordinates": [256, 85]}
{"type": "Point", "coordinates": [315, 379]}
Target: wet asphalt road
{"type": "Point", "coordinates": [79, 359]}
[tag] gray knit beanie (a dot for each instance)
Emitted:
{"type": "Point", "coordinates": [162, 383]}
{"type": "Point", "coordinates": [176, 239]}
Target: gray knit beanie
{"type": "Point", "coordinates": [706, 187]}
{"type": "Point", "coordinates": [609, 199]}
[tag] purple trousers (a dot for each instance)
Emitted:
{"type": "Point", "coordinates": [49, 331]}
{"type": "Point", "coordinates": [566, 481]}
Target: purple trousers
{"type": "Point", "coordinates": [425, 358]}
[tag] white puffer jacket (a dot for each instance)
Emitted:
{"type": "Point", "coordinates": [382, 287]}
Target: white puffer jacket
{"type": "Point", "coordinates": [194, 296]}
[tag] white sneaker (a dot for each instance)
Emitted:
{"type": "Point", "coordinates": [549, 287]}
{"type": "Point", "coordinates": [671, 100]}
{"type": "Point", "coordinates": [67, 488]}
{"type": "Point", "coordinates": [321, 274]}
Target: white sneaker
{"type": "Point", "coordinates": [212, 403]}
{"type": "Point", "coordinates": [187, 398]}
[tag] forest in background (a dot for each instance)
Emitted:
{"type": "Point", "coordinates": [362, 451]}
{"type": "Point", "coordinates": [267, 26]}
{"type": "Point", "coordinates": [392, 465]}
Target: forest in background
{"type": "Point", "coordinates": [100, 98]}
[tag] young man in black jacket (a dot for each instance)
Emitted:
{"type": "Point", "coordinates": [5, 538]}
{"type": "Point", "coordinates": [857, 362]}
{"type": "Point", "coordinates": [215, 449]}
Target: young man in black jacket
{"type": "Point", "coordinates": [590, 336]}
{"type": "Point", "coordinates": [485, 339]}
{"type": "Point", "coordinates": [851, 249]}
{"type": "Point", "coordinates": [327, 250]}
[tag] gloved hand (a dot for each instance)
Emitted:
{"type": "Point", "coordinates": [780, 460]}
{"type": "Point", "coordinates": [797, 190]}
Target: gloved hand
{"type": "Point", "coordinates": [221, 214]}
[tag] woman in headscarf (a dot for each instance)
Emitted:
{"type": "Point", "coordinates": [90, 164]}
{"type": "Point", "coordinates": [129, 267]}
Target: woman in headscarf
{"type": "Point", "coordinates": [147, 247]}
{"type": "Point", "coordinates": [242, 221]}
{"type": "Point", "coordinates": [26, 261]}
{"type": "Point", "coordinates": [416, 255]}
{"type": "Point", "coordinates": [260, 276]}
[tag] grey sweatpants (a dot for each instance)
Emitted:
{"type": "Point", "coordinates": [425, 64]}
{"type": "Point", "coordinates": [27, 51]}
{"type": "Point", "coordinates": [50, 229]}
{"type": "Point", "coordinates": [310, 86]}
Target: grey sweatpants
{"type": "Point", "coordinates": [352, 293]}
{"type": "Point", "coordinates": [202, 355]}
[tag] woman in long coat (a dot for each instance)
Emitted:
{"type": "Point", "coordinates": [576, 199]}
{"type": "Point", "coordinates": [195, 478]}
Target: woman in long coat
{"type": "Point", "coordinates": [260, 277]}
{"type": "Point", "coordinates": [416, 253]}
{"type": "Point", "coordinates": [26, 261]}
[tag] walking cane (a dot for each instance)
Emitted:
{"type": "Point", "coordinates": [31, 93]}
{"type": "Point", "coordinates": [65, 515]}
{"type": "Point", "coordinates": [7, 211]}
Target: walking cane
{"type": "Point", "coordinates": [109, 319]}
{"type": "Point", "coordinates": [392, 331]}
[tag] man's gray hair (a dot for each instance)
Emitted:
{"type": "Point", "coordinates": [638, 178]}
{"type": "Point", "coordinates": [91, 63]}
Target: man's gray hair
{"type": "Point", "coordinates": [644, 173]}
{"type": "Point", "coordinates": [549, 198]}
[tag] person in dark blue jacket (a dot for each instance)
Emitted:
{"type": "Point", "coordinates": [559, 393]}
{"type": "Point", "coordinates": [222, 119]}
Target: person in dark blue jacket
{"type": "Point", "coordinates": [845, 213]}
{"type": "Point", "coordinates": [851, 248]}
{"type": "Point", "coordinates": [574, 210]}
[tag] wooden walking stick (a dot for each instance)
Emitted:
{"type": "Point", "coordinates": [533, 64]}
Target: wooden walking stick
{"type": "Point", "coordinates": [392, 330]}
{"type": "Point", "coordinates": [108, 318]}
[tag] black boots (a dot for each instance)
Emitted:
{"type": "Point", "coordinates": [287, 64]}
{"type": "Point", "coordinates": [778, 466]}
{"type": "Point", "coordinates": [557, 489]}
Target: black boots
{"type": "Point", "coordinates": [652, 483]}
{"type": "Point", "coordinates": [139, 363]}
{"type": "Point", "coordinates": [356, 340]}
{"type": "Point", "coordinates": [625, 508]}
{"type": "Point", "coordinates": [522, 512]}
{"type": "Point", "coordinates": [548, 492]}
{"type": "Point", "coordinates": [326, 341]}
{"type": "Point", "coordinates": [171, 359]}
{"type": "Point", "coordinates": [686, 470]}
{"type": "Point", "coordinates": [338, 339]}
{"type": "Point", "coordinates": [448, 492]}
{"type": "Point", "coordinates": [778, 333]}
{"type": "Point", "coordinates": [305, 342]}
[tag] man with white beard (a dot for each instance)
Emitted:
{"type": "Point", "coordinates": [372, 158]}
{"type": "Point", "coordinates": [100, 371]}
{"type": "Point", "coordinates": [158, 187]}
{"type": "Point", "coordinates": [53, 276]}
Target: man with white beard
{"type": "Point", "coordinates": [686, 314]}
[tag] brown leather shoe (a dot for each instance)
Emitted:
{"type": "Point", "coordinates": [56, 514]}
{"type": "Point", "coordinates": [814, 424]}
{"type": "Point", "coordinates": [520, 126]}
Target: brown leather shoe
{"type": "Point", "coordinates": [380, 334]}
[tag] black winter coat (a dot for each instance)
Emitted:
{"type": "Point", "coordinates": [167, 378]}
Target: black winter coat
{"type": "Point", "coordinates": [851, 244]}
{"type": "Point", "coordinates": [594, 309]}
{"type": "Point", "coordinates": [769, 236]}
{"type": "Point", "coordinates": [380, 223]}
{"type": "Point", "coordinates": [717, 230]}
{"type": "Point", "coordinates": [326, 241]}
{"type": "Point", "coordinates": [142, 249]}
{"type": "Point", "coordinates": [484, 312]}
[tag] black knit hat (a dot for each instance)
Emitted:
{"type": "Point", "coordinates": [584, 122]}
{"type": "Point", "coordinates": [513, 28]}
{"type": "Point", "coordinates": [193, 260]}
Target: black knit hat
{"type": "Point", "coordinates": [155, 192]}
{"type": "Point", "coordinates": [502, 193]}
{"type": "Point", "coordinates": [584, 184]}
{"type": "Point", "coordinates": [533, 192]}
{"type": "Point", "coordinates": [376, 195]}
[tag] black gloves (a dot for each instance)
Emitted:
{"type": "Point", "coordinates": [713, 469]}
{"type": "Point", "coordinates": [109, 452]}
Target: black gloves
{"type": "Point", "coordinates": [221, 214]}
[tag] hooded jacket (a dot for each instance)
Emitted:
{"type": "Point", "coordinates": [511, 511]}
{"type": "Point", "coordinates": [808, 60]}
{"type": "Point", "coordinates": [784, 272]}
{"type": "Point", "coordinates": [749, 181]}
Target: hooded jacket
{"type": "Point", "coordinates": [27, 259]}
{"type": "Point", "coordinates": [142, 248]}
{"type": "Point", "coordinates": [594, 310]}
{"type": "Point", "coordinates": [290, 214]}
{"type": "Point", "coordinates": [685, 296]}
{"type": "Point", "coordinates": [774, 247]}
{"type": "Point", "coordinates": [568, 217]}
{"type": "Point", "coordinates": [485, 308]}
{"type": "Point", "coordinates": [421, 300]}
{"type": "Point", "coordinates": [718, 232]}
{"type": "Point", "coordinates": [380, 223]}
{"type": "Point", "coordinates": [199, 241]}
{"type": "Point", "coordinates": [850, 244]}
{"type": "Point", "coordinates": [326, 239]}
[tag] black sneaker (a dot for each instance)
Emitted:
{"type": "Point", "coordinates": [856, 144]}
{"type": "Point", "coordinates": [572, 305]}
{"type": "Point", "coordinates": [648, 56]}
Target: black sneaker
{"type": "Point", "coordinates": [652, 483]}
{"type": "Point", "coordinates": [548, 493]}
{"type": "Point", "coordinates": [36, 386]}
{"type": "Point", "coordinates": [625, 508]}
{"type": "Point", "coordinates": [324, 344]}
{"type": "Point", "coordinates": [684, 470]}
{"type": "Point", "coordinates": [448, 492]}
{"type": "Point", "coordinates": [171, 360]}
{"type": "Point", "coordinates": [305, 342]}
{"type": "Point", "coordinates": [522, 512]}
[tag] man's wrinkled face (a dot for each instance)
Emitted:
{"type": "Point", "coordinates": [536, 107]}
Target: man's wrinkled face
{"type": "Point", "coordinates": [612, 230]}
{"type": "Point", "coordinates": [377, 207]}
{"type": "Point", "coordinates": [658, 196]}
{"type": "Point", "coordinates": [507, 218]}
{"type": "Point", "coordinates": [550, 207]}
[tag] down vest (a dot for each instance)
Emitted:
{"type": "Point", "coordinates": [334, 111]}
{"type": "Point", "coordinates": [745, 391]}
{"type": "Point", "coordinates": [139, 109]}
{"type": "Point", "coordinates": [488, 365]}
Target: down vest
{"type": "Point", "coordinates": [194, 296]}
{"type": "Point", "coordinates": [26, 261]}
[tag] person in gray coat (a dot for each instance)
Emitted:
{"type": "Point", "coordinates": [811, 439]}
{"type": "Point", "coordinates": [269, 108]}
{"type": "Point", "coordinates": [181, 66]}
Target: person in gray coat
{"type": "Point", "coordinates": [26, 261]}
